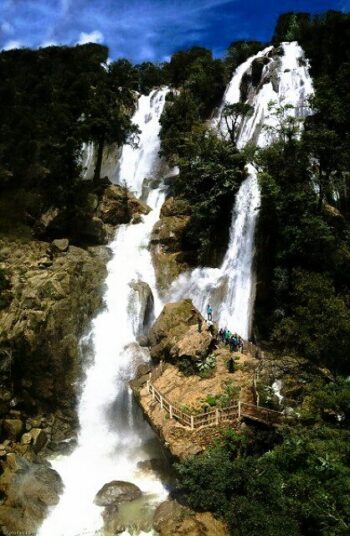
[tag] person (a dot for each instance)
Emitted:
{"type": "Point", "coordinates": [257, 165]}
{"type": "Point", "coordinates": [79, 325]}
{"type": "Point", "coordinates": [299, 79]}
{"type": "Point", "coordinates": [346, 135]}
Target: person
{"type": "Point", "coordinates": [240, 344]}
{"type": "Point", "coordinates": [210, 312]}
{"type": "Point", "coordinates": [222, 334]}
{"type": "Point", "coordinates": [227, 336]}
{"type": "Point", "coordinates": [200, 322]}
{"type": "Point", "coordinates": [233, 343]}
{"type": "Point", "coordinates": [230, 365]}
{"type": "Point", "coordinates": [210, 327]}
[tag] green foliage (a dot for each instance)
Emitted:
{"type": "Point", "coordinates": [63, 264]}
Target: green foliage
{"type": "Point", "coordinates": [211, 171]}
{"type": "Point", "coordinates": [304, 223]}
{"type": "Point", "coordinates": [51, 101]}
{"type": "Point", "coordinates": [150, 75]}
{"type": "Point", "coordinates": [204, 367]}
{"type": "Point", "coordinates": [234, 115]}
{"type": "Point", "coordinates": [178, 119]}
{"type": "Point", "coordinates": [206, 364]}
{"type": "Point", "coordinates": [301, 485]}
{"type": "Point", "coordinates": [239, 51]}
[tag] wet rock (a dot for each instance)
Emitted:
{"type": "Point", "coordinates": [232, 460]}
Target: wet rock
{"type": "Point", "coordinates": [171, 518]}
{"type": "Point", "coordinates": [257, 70]}
{"type": "Point", "coordinates": [142, 303]}
{"type": "Point", "coordinates": [167, 241]}
{"type": "Point", "coordinates": [143, 340]}
{"type": "Point", "coordinates": [60, 245]}
{"type": "Point", "coordinates": [171, 326]}
{"type": "Point", "coordinates": [143, 369]}
{"type": "Point", "coordinates": [28, 489]}
{"type": "Point", "coordinates": [116, 492]}
{"type": "Point", "coordinates": [39, 439]}
{"type": "Point", "coordinates": [137, 218]}
{"type": "Point", "coordinates": [118, 206]}
{"type": "Point", "coordinates": [12, 428]}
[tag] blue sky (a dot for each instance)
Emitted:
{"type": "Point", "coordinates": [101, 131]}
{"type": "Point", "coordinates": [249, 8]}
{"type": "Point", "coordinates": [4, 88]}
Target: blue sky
{"type": "Point", "coordinates": [146, 29]}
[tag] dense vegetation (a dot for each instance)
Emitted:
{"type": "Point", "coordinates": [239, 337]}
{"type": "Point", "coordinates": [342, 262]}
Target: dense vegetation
{"type": "Point", "coordinates": [298, 480]}
{"type": "Point", "coordinates": [303, 305]}
{"type": "Point", "coordinates": [211, 169]}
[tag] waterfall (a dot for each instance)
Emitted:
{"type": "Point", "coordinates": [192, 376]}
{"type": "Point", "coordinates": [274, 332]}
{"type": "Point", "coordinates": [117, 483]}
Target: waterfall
{"type": "Point", "coordinates": [113, 436]}
{"type": "Point", "coordinates": [230, 289]}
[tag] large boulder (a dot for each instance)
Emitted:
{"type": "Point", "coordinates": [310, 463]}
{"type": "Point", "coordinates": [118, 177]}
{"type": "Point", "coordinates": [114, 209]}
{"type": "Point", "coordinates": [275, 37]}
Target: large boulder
{"type": "Point", "coordinates": [194, 345]}
{"type": "Point", "coordinates": [60, 245]}
{"type": "Point", "coordinates": [116, 492]}
{"type": "Point", "coordinates": [171, 326]}
{"type": "Point", "coordinates": [171, 518]}
{"type": "Point", "coordinates": [141, 304]}
{"type": "Point", "coordinates": [118, 205]}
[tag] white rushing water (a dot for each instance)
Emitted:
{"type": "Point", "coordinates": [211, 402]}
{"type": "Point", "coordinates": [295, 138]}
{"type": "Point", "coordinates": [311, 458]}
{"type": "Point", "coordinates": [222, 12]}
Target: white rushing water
{"type": "Point", "coordinates": [113, 436]}
{"type": "Point", "coordinates": [230, 289]}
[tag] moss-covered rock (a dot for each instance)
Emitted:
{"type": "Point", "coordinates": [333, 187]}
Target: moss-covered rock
{"type": "Point", "coordinates": [171, 518]}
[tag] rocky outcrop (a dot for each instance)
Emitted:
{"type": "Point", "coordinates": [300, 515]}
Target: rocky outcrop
{"type": "Point", "coordinates": [193, 345]}
{"type": "Point", "coordinates": [167, 241]}
{"type": "Point", "coordinates": [118, 205]}
{"type": "Point", "coordinates": [171, 518]}
{"type": "Point", "coordinates": [142, 304]}
{"type": "Point", "coordinates": [101, 211]}
{"type": "Point", "coordinates": [170, 327]}
{"type": "Point", "coordinates": [40, 329]}
{"type": "Point", "coordinates": [117, 492]}
{"type": "Point", "coordinates": [28, 489]}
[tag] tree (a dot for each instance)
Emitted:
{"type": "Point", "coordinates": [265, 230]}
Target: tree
{"type": "Point", "coordinates": [108, 117]}
{"type": "Point", "coordinates": [234, 116]}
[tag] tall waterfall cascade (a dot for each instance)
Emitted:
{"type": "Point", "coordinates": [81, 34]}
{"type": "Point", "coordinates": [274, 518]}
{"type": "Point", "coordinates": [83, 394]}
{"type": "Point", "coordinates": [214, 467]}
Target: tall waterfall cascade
{"type": "Point", "coordinates": [230, 289]}
{"type": "Point", "coordinates": [113, 435]}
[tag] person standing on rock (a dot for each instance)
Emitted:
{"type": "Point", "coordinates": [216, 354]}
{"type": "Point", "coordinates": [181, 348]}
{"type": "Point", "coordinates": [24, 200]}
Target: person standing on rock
{"type": "Point", "coordinates": [210, 312]}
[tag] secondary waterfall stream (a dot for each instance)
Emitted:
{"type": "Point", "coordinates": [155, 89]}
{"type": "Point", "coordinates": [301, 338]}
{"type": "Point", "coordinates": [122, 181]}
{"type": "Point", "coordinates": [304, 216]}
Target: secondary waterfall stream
{"type": "Point", "coordinates": [230, 289]}
{"type": "Point", "coordinates": [113, 436]}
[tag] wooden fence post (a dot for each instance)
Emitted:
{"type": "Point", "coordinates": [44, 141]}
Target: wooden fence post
{"type": "Point", "coordinates": [153, 393]}
{"type": "Point", "coordinates": [192, 422]}
{"type": "Point", "coordinates": [161, 366]}
{"type": "Point", "coordinates": [217, 416]}
{"type": "Point", "coordinates": [171, 411]}
{"type": "Point", "coordinates": [161, 402]}
{"type": "Point", "coordinates": [239, 409]}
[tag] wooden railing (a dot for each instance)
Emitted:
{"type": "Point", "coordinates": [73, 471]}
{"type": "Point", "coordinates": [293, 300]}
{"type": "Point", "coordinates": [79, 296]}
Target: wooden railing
{"type": "Point", "coordinates": [209, 418]}
{"type": "Point", "coordinates": [236, 410]}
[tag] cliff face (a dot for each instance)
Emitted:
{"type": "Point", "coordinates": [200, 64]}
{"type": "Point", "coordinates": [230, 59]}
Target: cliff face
{"type": "Point", "coordinates": [49, 293]}
{"type": "Point", "coordinates": [167, 248]}
{"type": "Point", "coordinates": [52, 296]}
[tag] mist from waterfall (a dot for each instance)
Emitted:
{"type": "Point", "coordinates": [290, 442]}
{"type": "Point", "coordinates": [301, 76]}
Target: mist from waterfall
{"type": "Point", "coordinates": [230, 289]}
{"type": "Point", "coordinates": [113, 434]}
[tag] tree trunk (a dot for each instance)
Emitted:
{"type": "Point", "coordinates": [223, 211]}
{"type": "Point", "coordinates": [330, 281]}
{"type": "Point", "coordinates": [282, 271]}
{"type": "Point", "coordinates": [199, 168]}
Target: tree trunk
{"type": "Point", "coordinates": [101, 144]}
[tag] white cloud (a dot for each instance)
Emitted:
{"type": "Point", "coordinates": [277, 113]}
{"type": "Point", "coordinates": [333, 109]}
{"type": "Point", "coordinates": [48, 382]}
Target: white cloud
{"type": "Point", "coordinates": [94, 37]}
{"type": "Point", "coordinates": [48, 44]}
{"type": "Point", "coordinates": [10, 45]}
{"type": "Point", "coordinates": [6, 28]}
